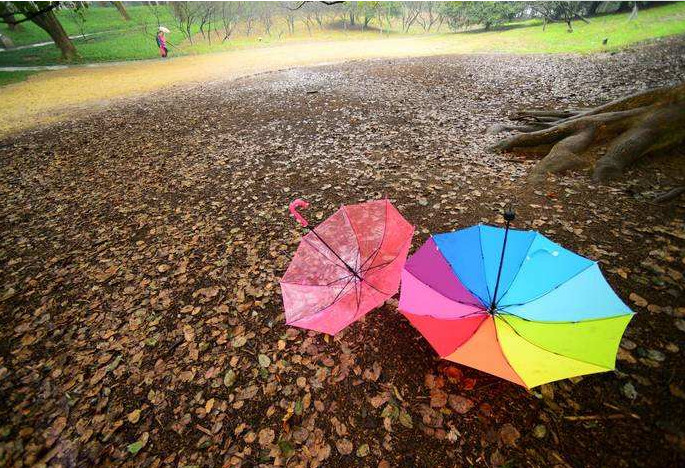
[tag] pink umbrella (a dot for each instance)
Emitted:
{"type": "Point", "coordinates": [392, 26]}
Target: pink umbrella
{"type": "Point", "coordinates": [348, 266]}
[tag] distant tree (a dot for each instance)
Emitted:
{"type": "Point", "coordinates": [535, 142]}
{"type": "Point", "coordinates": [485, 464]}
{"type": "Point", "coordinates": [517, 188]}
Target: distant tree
{"type": "Point", "coordinates": [230, 15]}
{"type": "Point", "coordinates": [122, 10]}
{"type": "Point", "coordinates": [265, 14]}
{"type": "Point", "coordinates": [351, 9]}
{"type": "Point", "coordinates": [290, 14]}
{"type": "Point", "coordinates": [366, 11]}
{"type": "Point", "coordinates": [186, 14]}
{"type": "Point", "coordinates": [591, 8]}
{"type": "Point", "coordinates": [42, 14]}
{"type": "Point", "coordinates": [207, 16]}
{"type": "Point", "coordinates": [487, 14]}
{"type": "Point", "coordinates": [77, 14]}
{"type": "Point", "coordinates": [385, 11]}
{"type": "Point", "coordinates": [431, 16]}
{"type": "Point", "coordinates": [558, 11]}
{"type": "Point", "coordinates": [249, 16]}
{"type": "Point", "coordinates": [410, 12]}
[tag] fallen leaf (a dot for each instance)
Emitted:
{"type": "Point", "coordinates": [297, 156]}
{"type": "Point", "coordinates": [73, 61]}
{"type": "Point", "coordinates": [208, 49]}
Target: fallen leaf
{"type": "Point", "coordinates": [229, 378]}
{"type": "Point", "coordinates": [266, 437]}
{"type": "Point", "coordinates": [405, 419]}
{"type": "Point", "coordinates": [638, 300]}
{"type": "Point", "coordinates": [264, 360]}
{"type": "Point", "coordinates": [133, 416]}
{"type": "Point", "coordinates": [344, 446]}
{"type": "Point", "coordinates": [363, 450]}
{"type": "Point", "coordinates": [509, 435]}
{"type": "Point", "coordinates": [135, 447]}
{"type": "Point", "coordinates": [460, 404]}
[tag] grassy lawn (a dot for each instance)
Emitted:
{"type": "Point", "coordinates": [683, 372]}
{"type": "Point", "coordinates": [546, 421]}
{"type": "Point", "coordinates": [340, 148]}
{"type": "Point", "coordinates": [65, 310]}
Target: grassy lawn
{"type": "Point", "coordinates": [14, 77]}
{"type": "Point", "coordinates": [114, 39]}
{"type": "Point", "coordinates": [118, 40]}
{"type": "Point", "coordinates": [655, 22]}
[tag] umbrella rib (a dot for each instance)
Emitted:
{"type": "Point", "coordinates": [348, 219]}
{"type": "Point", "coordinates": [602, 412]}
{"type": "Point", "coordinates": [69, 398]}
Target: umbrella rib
{"type": "Point", "coordinates": [454, 272]}
{"type": "Point", "coordinates": [484, 313]}
{"type": "Point", "coordinates": [454, 300]}
{"type": "Point", "coordinates": [482, 256]}
{"type": "Point", "coordinates": [562, 322]}
{"type": "Point", "coordinates": [472, 334]}
{"type": "Point", "coordinates": [551, 290]}
{"type": "Point", "coordinates": [501, 349]}
{"type": "Point", "coordinates": [520, 265]}
{"type": "Point", "coordinates": [318, 285]}
{"type": "Point", "coordinates": [369, 283]}
{"type": "Point", "coordinates": [380, 265]}
{"type": "Point", "coordinates": [354, 231]}
{"type": "Point", "coordinates": [335, 299]}
{"type": "Point", "coordinates": [374, 287]}
{"type": "Point", "coordinates": [321, 253]}
{"type": "Point", "coordinates": [372, 256]}
{"type": "Point", "coordinates": [548, 350]}
{"type": "Point", "coordinates": [348, 267]}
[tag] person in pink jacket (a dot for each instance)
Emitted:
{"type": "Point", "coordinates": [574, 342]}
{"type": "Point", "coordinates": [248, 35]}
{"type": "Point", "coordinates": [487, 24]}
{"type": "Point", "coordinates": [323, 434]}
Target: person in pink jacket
{"type": "Point", "coordinates": [161, 43]}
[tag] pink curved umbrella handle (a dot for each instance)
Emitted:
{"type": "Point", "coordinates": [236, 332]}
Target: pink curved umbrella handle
{"type": "Point", "coordinates": [294, 205]}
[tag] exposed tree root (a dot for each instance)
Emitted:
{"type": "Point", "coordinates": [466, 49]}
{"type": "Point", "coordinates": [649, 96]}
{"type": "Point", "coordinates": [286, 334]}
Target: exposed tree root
{"type": "Point", "coordinates": [670, 195]}
{"type": "Point", "coordinates": [630, 128]}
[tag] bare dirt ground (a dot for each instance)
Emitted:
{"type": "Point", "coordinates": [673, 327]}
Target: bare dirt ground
{"type": "Point", "coordinates": [57, 95]}
{"type": "Point", "coordinates": [141, 319]}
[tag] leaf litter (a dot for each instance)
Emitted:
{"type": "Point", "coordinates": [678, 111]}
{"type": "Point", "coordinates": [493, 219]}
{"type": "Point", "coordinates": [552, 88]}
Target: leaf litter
{"type": "Point", "coordinates": [141, 250]}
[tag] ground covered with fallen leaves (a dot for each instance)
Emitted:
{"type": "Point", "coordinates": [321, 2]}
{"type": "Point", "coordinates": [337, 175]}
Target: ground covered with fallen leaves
{"type": "Point", "coordinates": [141, 247]}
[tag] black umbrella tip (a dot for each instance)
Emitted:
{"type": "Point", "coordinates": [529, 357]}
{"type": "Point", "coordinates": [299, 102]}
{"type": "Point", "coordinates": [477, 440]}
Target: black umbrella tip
{"type": "Point", "coordinates": [509, 212]}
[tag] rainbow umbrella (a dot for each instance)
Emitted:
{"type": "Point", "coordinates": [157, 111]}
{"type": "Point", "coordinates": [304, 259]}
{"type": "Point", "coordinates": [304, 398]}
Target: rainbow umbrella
{"type": "Point", "coordinates": [514, 304]}
{"type": "Point", "coordinates": [346, 266]}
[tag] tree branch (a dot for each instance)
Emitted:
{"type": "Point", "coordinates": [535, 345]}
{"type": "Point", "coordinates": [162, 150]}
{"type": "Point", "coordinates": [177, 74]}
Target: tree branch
{"type": "Point", "coordinates": [301, 4]}
{"type": "Point", "coordinates": [30, 16]}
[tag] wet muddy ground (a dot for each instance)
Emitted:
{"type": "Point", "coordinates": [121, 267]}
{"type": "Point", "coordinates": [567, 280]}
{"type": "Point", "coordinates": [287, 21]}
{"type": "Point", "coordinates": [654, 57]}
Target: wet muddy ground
{"type": "Point", "coordinates": [141, 318]}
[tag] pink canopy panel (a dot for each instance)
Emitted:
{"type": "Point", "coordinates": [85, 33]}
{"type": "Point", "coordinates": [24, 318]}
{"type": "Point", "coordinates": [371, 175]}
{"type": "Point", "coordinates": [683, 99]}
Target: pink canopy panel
{"type": "Point", "coordinates": [345, 267]}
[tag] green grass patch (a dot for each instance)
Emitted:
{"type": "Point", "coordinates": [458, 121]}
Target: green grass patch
{"type": "Point", "coordinates": [653, 23]}
{"type": "Point", "coordinates": [113, 38]}
{"type": "Point", "coordinates": [97, 19]}
{"type": "Point", "coordinates": [118, 40]}
{"type": "Point", "coordinates": [7, 78]}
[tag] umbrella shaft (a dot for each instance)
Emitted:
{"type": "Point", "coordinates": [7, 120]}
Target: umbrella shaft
{"type": "Point", "coordinates": [493, 305]}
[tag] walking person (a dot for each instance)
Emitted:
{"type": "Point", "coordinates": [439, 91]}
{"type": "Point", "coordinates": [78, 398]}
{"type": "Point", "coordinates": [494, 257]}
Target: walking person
{"type": "Point", "coordinates": [161, 41]}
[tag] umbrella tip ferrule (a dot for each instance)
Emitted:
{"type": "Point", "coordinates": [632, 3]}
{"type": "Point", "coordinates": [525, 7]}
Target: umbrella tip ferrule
{"type": "Point", "coordinates": [509, 213]}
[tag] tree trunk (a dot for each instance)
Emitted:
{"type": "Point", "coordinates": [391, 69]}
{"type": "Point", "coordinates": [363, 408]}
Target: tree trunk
{"type": "Point", "coordinates": [6, 42]}
{"type": "Point", "coordinates": [49, 22]}
{"type": "Point", "coordinates": [633, 14]}
{"type": "Point", "coordinates": [630, 128]}
{"type": "Point", "coordinates": [592, 8]}
{"type": "Point", "coordinates": [8, 17]}
{"type": "Point", "coordinates": [122, 10]}
{"type": "Point", "coordinates": [624, 7]}
{"type": "Point", "coordinates": [178, 10]}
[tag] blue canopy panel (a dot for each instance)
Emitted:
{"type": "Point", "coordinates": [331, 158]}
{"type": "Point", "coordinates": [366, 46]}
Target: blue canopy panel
{"type": "Point", "coordinates": [462, 250]}
{"type": "Point", "coordinates": [518, 244]}
{"type": "Point", "coordinates": [546, 266]}
{"type": "Point", "coordinates": [585, 296]}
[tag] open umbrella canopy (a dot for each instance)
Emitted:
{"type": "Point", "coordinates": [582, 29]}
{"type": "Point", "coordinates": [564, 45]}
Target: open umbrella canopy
{"type": "Point", "coordinates": [514, 304]}
{"type": "Point", "coordinates": [346, 266]}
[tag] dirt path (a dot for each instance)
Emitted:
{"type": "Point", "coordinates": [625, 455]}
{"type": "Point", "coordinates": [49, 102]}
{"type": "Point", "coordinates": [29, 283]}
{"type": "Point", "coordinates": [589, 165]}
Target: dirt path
{"type": "Point", "coordinates": [49, 97]}
{"type": "Point", "coordinates": [140, 249]}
